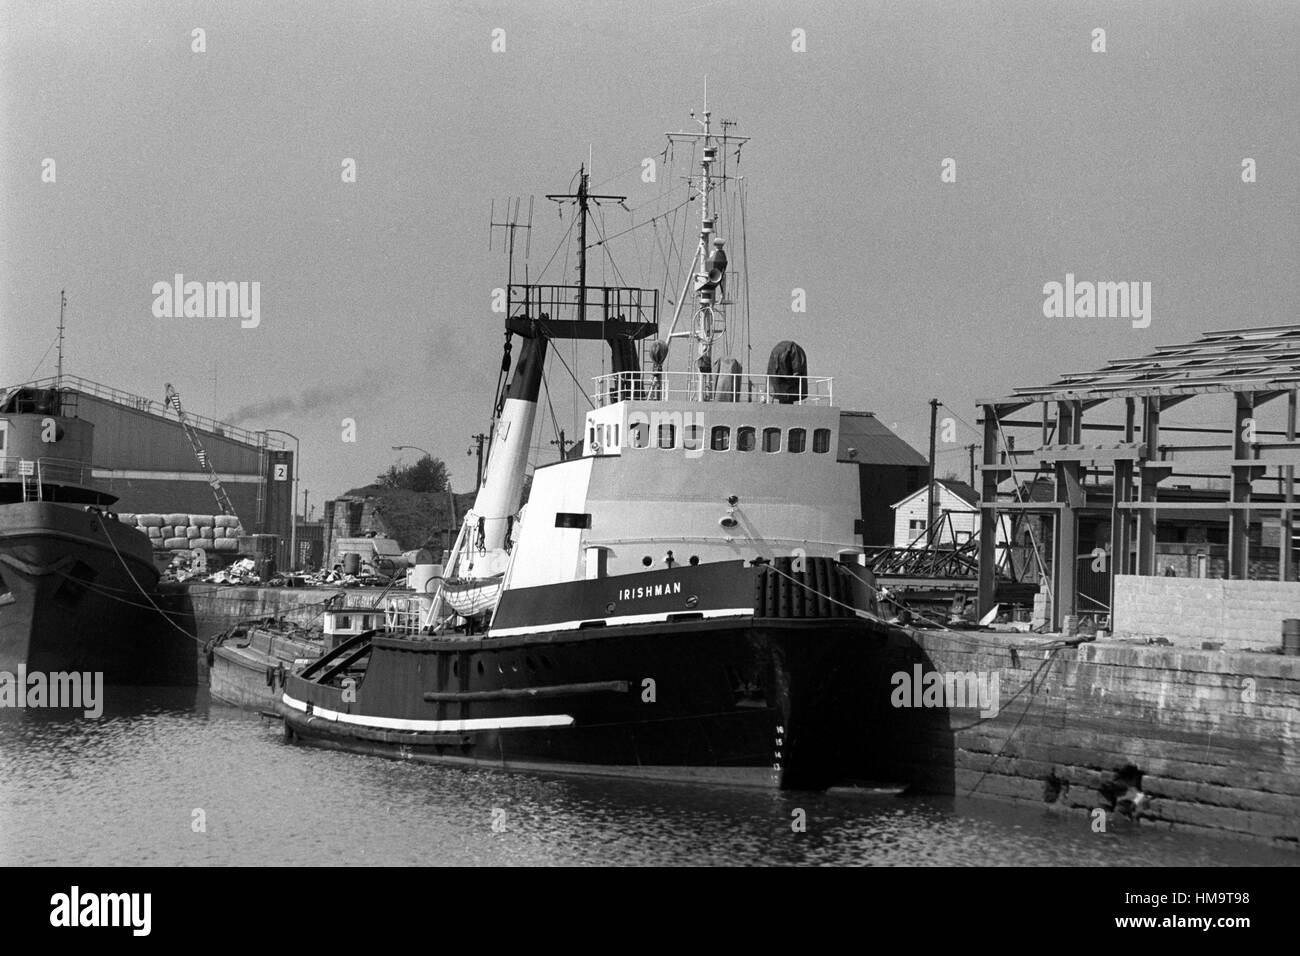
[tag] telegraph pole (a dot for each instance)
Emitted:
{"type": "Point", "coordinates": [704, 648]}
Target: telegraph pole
{"type": "Point", "coordinates": [564, 444]}
{"type": "Point", "coordinates": [930, 502]}
{"type": "Point", "coordinates": [971, 449]}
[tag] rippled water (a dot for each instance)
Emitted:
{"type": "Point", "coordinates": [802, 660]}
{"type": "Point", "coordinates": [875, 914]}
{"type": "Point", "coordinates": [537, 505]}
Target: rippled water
{"type": "Point", "coordinates": [125, 790]}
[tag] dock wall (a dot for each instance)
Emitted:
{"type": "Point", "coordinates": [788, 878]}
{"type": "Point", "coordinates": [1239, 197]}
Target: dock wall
{"type": "Point", "coordinates": [216, 607]}
{"type": "Point", "coordinates": [1205, 740]}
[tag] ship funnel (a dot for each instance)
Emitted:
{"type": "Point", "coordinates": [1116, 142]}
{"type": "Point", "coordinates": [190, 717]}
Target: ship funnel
{"type": "Point", "coordinates": [501, 493]}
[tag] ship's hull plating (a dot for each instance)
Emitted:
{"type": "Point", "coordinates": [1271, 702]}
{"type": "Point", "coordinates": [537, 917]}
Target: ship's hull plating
{"type": "Point", "coordinates": [752, 701]}
{"type": "Point", "coordinates": [69, 601]}
{"type": "Point", "coordinates": [242, 671]}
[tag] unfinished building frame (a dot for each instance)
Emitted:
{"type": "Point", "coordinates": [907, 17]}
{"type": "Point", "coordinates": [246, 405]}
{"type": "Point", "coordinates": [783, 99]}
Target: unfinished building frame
{"type": "Point", "coordinates": [1255, 366]}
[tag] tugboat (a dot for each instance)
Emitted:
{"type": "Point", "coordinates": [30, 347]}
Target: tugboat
{"type": "Point", "coordinates": [77, 586]}
{"type": "Point", "coordinates": [683, 596]}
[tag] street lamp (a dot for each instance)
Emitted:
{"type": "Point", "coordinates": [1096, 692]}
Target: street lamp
{"type": "Point", "coordinates": [293, 525]}
{"type": "Point", "coordinates": [413, 448]}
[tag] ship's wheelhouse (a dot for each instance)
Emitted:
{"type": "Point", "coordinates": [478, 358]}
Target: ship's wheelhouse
{"type": "Point", "coordinates": [670, 479]}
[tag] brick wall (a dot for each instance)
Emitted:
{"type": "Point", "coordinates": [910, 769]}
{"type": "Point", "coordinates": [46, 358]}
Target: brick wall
{"type": "Point", "coordinates": [1186, 611]}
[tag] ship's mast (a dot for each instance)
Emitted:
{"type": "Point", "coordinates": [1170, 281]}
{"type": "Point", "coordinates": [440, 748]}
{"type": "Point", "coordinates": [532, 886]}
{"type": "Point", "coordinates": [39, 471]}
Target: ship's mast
{"type": "Point", "coordinates": [709, 267]}
{"type": "Point", "coordinates": [584, 200]}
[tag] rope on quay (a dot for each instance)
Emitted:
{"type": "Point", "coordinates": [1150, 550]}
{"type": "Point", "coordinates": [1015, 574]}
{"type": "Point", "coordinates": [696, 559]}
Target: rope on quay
{"type": "Point", "coordinates": [152, 605]}
{"type": "Point", "coordinates": [1032, 682]}
{"type": "Point", "coordinates": [165, 616]}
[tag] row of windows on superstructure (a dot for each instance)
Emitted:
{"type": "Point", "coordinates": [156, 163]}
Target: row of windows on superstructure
{"type": "Point", "coordinates": [747, 437]}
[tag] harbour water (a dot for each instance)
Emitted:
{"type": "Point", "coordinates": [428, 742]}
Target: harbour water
{"type": "Point", "coordinates": [180, 780]}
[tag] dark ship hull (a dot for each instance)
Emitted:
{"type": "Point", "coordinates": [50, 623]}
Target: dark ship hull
{"type": "Point", "coordinates": [770, 698]}
{"type": "Point", "coordinates": [71, 599]}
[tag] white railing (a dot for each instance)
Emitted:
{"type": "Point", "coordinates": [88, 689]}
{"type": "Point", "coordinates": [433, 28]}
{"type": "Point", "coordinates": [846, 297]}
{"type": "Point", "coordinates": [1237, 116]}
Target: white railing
{"type": "Point", "coordinates": [406, 615]}
{"type": "Point", "coordinates": [711, 387]}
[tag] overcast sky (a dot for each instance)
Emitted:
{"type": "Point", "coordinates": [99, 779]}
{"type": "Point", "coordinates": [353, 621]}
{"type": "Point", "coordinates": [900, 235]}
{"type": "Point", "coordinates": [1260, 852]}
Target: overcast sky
{"type": "Point", "coordinates": [376, 295]}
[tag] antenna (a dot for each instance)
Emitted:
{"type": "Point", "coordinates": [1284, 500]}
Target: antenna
{"type": "Point", "coordinates": [510, 224]}
{"type": "Point", "coordinates": [58, 369]}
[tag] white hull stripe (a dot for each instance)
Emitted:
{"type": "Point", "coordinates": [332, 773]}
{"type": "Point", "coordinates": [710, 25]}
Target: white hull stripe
{"type": "Point", "coordinates": [433, 726]}
{"type": "Point", "coordinates": [657, 618]}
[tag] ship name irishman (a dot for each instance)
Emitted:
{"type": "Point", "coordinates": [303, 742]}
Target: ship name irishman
{"type": "Point", "coordinates": [648, 590]}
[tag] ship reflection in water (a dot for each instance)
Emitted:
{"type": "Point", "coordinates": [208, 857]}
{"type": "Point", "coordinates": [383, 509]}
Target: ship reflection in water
{"type": "Point", "coordinates": [176, 782]}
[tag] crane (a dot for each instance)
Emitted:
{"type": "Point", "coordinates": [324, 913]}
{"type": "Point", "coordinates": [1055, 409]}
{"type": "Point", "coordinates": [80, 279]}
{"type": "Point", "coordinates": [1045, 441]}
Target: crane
{"type": "Point", "coordinates": [223, 499]}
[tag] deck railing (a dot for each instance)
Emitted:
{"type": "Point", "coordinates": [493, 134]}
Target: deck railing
{"type": "Point", "coordinates": [142, 404]}
{"type": "Point", "coordinates": [712, 387]}
{"type": "Point", "coordinates": [36, 472]}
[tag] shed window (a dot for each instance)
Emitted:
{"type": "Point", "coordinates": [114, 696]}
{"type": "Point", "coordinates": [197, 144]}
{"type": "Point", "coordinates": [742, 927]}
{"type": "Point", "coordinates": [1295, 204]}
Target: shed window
{"type": "Point", "coordinates": [821, 440]}
{"type": "Point", "coordinates": [771, 439]}
{"type": "Point", "coordinates": [796, 440]}
{"type": "Point", "coordinates": [721, 439]}
{"type": "Point", "coordinates": [745, 438]}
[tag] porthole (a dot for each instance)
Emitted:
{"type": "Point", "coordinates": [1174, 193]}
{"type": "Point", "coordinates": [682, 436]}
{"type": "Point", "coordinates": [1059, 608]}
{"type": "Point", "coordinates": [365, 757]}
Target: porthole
{"type": "Point", "coordinates": [693, 437]}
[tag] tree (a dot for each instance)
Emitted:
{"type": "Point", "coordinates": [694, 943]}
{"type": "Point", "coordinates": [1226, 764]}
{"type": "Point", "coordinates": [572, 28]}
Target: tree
{"type": "Point", "coordinates": [429, 474]}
